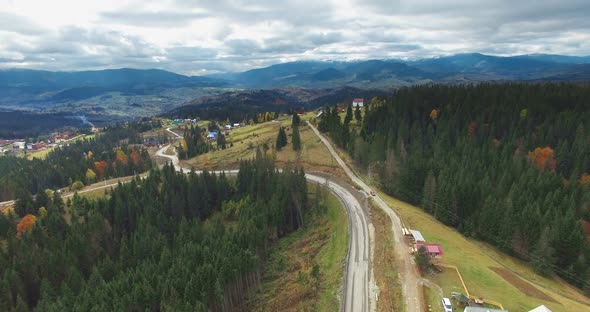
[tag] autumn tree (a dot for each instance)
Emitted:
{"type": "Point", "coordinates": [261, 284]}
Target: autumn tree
{"type": "Point", "coordinates": [542, 157]}
{"type": "Point", "coordinates": [100, 167]}
{"type": "Point", "coordinates": [25, 224]}
{"type": "Point", "coordinates": [90, 176]}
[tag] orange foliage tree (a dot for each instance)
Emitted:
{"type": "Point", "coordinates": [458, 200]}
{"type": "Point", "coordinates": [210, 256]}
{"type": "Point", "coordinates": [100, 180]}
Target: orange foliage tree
{"type": "Point", "coordinates": [585, 179]}
{"type": "Point", "coordinates": [100, 167]}
{"type": "Point", "coordinates": [121, 157]}
{"type": "Point", "coordinates": [25, 224]}
{"type": "Point", "coordinates": [135, 158]}
{"type": "Point", "coordinates": [434, 114]}
{"type": "Point", "coordinates": [543, 156]}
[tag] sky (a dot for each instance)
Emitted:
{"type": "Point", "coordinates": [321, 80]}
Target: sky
{"type": "Point", "coordinates": [198, 37]}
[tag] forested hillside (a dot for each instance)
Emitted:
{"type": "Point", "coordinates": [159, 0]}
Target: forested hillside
{"type": "Point", "coordinates": [170, 242]}
{"type": "Point", "coordinates": [111, 154]}
{"type": "Point", "coordinates": [507, 164]}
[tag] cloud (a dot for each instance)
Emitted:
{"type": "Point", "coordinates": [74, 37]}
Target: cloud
{"type": "Point", "coordinates": [154, 19]}
{"type": "Point", "coordinates": [20, 24]}
{"type": "Point", "coordinates": [195, 36]}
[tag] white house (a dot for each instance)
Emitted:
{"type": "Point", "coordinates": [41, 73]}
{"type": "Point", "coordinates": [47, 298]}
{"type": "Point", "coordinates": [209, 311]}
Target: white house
{"type": "Point", "coordinates": [358, 102]}
{"type": "Point", "coordinates": [18, 145]}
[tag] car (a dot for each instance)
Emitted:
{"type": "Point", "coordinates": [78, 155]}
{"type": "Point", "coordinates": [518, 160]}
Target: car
{"type": "Point", "coordinates": [373, 193]}
{"type": "Point", "coordinates": [447, 305]}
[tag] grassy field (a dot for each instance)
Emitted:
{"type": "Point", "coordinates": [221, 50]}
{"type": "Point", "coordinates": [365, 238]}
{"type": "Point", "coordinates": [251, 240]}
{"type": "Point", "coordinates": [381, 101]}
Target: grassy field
{"type": "Point", "coordinates": [242, 144]}
{"type": "Point", "coordinates": [475, 261]}
{"type": "Point", "coordinates": [478, 263]}
{"type": "Point", "coordinates": [288, 283]}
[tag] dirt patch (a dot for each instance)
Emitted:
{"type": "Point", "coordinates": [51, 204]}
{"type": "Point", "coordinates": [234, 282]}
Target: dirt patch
{"type": "Point", "coordinates": [385, 265]}
{"type": "Point", "coordinates": [523, 286]}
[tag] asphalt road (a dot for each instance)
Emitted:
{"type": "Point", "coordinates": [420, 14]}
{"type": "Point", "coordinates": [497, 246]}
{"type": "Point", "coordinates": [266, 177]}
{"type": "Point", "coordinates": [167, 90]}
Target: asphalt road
{"type": "Point", "coordinates": [357, 290]}
{"type": "Point", "coordinates": [411, 280]}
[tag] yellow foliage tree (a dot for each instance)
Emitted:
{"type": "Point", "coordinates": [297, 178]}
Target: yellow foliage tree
{"type": "Point", "coordinates": [90, 154]}
{"type": "Point", "coordinates": [90, 175]}
{"type": "Point", "coordinates": [184, 145]}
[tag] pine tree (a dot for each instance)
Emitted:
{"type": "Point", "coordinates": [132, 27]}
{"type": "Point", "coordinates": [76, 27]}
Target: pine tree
{"type": "Point", "coordinates": [296, 139]}
{"type": "Point", "coordinates": [357, 115]}
{"type": "Point", "coordinates": [281, 139]}
{"type": "Point", "coordinates": [348, 116]}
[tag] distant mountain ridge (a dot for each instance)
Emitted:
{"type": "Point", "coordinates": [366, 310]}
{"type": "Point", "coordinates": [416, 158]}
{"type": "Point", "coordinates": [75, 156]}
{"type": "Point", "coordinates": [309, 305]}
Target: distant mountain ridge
{"type": "Point", "coordinates": [136, 92]}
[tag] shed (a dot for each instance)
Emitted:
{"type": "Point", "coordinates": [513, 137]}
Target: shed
{"type": "Point", "coordinates": [417, 236]}
{"type": "Point", "coordinates": [212, 135]}
{"type": "Point", "coordinates": [541, 308]}
{"type": "Point", "coordinates": [358, 102]}
{"type": "Point", "coordinates": [432, 249]}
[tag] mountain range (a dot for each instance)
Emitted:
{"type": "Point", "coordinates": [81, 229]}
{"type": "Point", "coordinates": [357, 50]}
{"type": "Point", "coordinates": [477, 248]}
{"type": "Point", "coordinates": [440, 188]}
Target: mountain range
{"type": "Point", "coordinates": [134, 92]}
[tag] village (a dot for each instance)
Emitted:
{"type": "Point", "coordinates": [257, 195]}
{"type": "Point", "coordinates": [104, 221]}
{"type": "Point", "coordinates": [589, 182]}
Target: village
{"type": "Point", "coordinates": [20, 147]}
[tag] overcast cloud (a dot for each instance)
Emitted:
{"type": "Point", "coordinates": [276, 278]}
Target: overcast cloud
{"type": "Point", "coordinates": [198, 37]}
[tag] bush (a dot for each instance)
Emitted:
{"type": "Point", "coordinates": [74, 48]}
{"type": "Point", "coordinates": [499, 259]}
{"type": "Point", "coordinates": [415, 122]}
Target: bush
{"type": "Point", "coordinates": [76, 186]}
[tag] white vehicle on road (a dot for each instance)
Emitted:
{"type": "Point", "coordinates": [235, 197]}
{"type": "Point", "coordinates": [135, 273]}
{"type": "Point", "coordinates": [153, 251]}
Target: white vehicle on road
{"type": "Point", "coordinates": [447, 305]}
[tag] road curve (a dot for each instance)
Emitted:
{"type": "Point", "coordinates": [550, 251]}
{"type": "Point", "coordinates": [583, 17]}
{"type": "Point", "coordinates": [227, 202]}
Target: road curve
{"type": "Point", "coordinates": [357, 290]}
{"type": "Point", "coordinates": [411, 281]}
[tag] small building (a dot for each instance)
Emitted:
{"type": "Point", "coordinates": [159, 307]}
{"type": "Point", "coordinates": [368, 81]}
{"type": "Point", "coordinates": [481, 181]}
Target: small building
{"type": "Point", "coordinates": [151, 142]}
{"type": "Point", "coordinates": [541, 308]}
{"type": "Point", "coordinates": [300, 111]}
{"type": "Point", "coordinates": [482, 309]}
{"type": "Point", "coordinates": [340, 109]}
{"type": "Point", "coordinates": [212, 135]}
{"type": "Point", "coordinates": [236, 125]}
{"type": "Point", "coordinates": [19, 145]}
{"type": "Point", "coordinates": [358, 102]}
{"type": "Point", "coordinates": [227, 127]}
{"type": "Point", "coordinates": [434, 250]}
{"type": "Point", "coordinates": [418, 238]}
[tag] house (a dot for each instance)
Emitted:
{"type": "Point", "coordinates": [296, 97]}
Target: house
{"type": "Point", "coordinates": [541, 308]}
{"type": "Point", "coordinates": [236, 125]}
{"type": "Point", "coordinates": [340, 109]}
{"type": "Point", "coordinates": [418, 238]}
{"type": "Point", "coordinates": [358, 102]}
{"type": "Point", "coordinates": [227, 127]}
{"type": "Point", "coordinates": [30, 146]}
{"type": "Point", "coordinates": [434, 250]}
{"type": "Point", "coordinates": [482, 309]}
{"type": "Point", "coordinates": [300, 111]}
{"type": "Point", "coordinates": [19, 145]}
{"type": "Point", "coordinates": [151, 142]}
{"type": "Point", "coordinates": [212, 135]}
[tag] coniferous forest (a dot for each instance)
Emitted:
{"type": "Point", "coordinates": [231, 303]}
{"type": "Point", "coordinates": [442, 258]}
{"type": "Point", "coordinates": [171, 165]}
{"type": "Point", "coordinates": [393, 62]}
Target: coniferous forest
{"type": "Point", "coordinates": [169, 242]}
{"type": "Point", "coordinates": [505, 163]}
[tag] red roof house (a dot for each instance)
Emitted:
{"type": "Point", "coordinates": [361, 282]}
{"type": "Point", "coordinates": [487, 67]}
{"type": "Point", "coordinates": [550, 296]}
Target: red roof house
{"type": "Point", "coordinates": [432, 249]}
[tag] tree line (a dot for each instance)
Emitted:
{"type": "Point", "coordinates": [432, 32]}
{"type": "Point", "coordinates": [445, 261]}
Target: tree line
{"type": "Point", "coordinates": [169, 242]}
{"type": "Point", "coordinates": [504, 163]}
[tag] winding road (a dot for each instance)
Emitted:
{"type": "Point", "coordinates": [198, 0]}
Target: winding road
{"type": "Point", "coordinates": [358, 287]}
{"type": "Point", "coordinates": [410, 279]}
